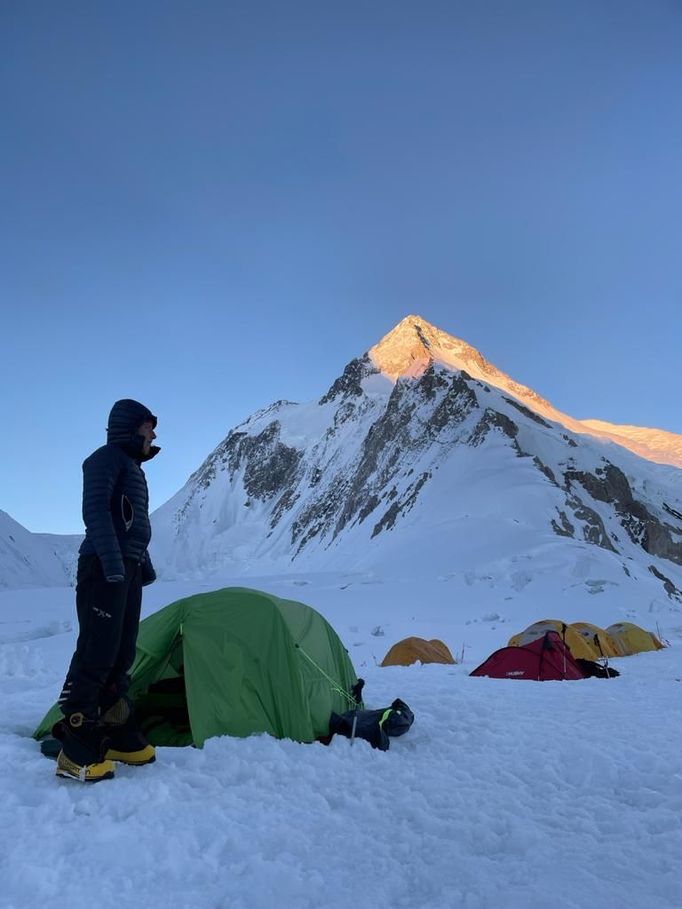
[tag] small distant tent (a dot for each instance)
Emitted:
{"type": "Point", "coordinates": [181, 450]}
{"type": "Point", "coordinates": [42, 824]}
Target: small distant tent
{"type": "Point", "coordinates": [630, 638]}
{"type": "Point", "coordinates": [599, 639]}
{"type": "Point", "coordinates": [580, 647]}
{"type": "Point", "coordinates": [413, 650]}
{"type": "Point", "coordinates": [544, 659]}
{"type": "Point", "coordinates": [235, 662]}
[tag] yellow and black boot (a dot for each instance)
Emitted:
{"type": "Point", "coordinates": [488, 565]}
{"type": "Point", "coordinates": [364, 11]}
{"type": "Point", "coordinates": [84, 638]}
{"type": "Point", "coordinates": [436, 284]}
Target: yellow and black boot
{"type": "Point", "coordinates": [81, 757]}
{"type": "Point", "coordinates": [126, 743]}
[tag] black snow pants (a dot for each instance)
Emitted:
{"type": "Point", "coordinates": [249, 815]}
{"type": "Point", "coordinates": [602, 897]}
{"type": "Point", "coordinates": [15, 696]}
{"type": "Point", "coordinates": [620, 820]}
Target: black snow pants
{"type": "Point", "coordinates": [108, 620]}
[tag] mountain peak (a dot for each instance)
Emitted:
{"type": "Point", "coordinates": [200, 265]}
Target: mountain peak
{"type": "Point", "coordinates": [409, 348]}
{"type": "Point", "coordinates": [414, 343]}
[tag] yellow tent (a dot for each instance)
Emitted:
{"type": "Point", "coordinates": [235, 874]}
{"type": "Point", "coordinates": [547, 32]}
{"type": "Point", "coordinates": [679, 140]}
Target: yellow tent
{"type": "Point", "coordinates": [609, 648]}
{"type": "Point", "coordinates": [630, 638]}
{"type": "Point", "coordinates": [411, 650]}
{"type": "Point", "coordinates": [581, 649]}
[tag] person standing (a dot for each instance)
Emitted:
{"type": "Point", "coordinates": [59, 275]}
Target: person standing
{"type": "Point", "coordinates": [113, 566]}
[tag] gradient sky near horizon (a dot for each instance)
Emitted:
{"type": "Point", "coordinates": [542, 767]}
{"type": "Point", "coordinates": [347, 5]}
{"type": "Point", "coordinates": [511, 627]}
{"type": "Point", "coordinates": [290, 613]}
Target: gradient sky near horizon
{"type": "Point", "coordinates": [209, 206]}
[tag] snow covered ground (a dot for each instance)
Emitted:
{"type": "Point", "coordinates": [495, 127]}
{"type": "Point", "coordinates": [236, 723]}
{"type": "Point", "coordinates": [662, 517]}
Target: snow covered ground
{"type": "Point", "coordinates": [504, 794]}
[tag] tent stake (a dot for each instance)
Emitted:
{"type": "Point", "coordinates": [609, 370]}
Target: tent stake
{"type": "Point", "coordinates": [355, 723]}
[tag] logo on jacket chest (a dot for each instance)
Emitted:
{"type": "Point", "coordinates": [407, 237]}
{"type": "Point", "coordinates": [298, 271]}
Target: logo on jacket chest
{"type": "Point", "coordinates": [127, 512]}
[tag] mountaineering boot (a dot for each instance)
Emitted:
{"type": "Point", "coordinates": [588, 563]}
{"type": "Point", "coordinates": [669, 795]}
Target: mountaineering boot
{"type": "Point", "coordinates": [125, 742]}
{"type": "Point", "coordinates": [81, 755]}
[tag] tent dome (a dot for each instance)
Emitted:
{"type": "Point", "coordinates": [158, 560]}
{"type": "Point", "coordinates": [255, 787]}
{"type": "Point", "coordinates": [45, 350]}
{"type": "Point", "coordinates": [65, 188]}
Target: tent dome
{"type": "Point", "coordinates": [630, 638]}
{"type": "Point", "coordinates": [413, 650]}
{"type": "Point", "coordinates": [236, 662]}
{"type": "Point", "coordinates": [604, 645]}
{"type": "Point", "coordinates": [580, 648]}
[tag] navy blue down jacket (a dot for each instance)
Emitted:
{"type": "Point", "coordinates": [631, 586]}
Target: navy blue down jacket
{"type": "Point", "coordinates": [115, 495]}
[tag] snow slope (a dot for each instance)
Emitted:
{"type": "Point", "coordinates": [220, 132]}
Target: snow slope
{"type": "Point", "coordinates": [654, 444]}
{"type": "Point", "coordinates": [33, 559]}
{"type": "Point", "coordinates": [508, 794]}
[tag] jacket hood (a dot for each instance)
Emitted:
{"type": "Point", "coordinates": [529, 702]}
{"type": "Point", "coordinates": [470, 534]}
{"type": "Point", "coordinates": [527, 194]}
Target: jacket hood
{"type": "Point", "coordinates": [125, 419]}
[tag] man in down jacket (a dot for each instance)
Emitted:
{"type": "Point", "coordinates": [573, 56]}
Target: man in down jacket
{"type": "Point", "coordinates": [113, 567]}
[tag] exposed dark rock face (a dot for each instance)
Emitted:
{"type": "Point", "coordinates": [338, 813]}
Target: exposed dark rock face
{"type": "Point", "coordinates": [634, 526]}
{"type": "Point", "coordinates": [422, 337]}
{"type": "Point", "coordinates": [397, 509]}
{"type": "Point", "coordinates": [565, 529]}
{"type": "Point", "coordinates": [368, 507]}
{"type": "Point", "coordinates": [457, 403]}
{"type": "Point", "coordinates": [285, 503]}
{"type": "Point", "coordinates": [543, 468]}
{"type": "Point", "coordinates": [656, 538]}
{"type": "Point", "coordinates": [345, 412]}
{"type": "Point", "coordinates": [492, 419]}
{"type": "Point", "coordinates": [526, 411]}
{"type": "Point", "coordinates": [223, 454]}
{"type": "Point", "coordinates": [202, 478]}
{"type": "Point", "coordinates": [668, 585]}
{"type": "Point", "coordinates": [240, 448]}
{"type": "Point", "coordinates": [349, 382]}
{"type": "Point", "coordinates": [431, 381]}
{"type": "Point", "coordinates": [419, 412]}
{"type": "Point", "coordinates": [390, 433]}
{"type": "Point", "coordinates": [593, 529]}
{"type": "Point", "coordinates": [270, 468]}
{"type": "Point", "coordinates": [606, 484]}
{"type": "Point", "coordinates": [395, 438]}
{"type": "Point", "coordinates": [317, 518]}
{"type": "Point", "coordinates": [270, 465]}
{"type": "Point", "coordinates": [609, 484]}
{"type": "Point", "coordinates": [671, 511]}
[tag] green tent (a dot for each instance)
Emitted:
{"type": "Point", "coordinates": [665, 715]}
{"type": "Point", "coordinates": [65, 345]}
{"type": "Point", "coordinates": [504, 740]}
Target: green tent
{"type": "Point", "coordinates": [236, 662]}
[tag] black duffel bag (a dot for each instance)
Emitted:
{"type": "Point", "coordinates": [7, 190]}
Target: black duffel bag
{"type": "Point", "coordinates": [375, 726]}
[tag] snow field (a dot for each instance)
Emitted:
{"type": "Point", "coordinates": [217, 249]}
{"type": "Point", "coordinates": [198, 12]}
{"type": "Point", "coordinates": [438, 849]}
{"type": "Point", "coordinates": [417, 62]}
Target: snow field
{"type": "Point", "coordinates": [503, 794]}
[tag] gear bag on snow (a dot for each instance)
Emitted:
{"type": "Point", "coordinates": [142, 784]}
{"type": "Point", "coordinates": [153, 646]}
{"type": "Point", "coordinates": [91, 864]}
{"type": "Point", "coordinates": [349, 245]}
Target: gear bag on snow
{"type": "Point", "coordinates": [592, 669]}
{"type": "Point", "coordinates": [375, 726]}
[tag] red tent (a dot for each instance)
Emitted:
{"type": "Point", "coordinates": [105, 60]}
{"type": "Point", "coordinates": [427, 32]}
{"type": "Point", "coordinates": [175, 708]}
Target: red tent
{"type": "Point", "coordinates": [547, 658]}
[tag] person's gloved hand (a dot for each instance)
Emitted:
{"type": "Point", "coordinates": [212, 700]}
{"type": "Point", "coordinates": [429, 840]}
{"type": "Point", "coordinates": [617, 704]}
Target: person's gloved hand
{"type": "Point", "coordinates": [148, 573]}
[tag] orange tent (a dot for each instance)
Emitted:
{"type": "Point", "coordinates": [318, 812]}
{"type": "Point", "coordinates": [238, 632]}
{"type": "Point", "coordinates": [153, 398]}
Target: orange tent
{"type": "Point", "coordinates": [413, 650]}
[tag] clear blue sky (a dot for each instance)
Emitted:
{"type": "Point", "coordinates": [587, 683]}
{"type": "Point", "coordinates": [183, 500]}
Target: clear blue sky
{"type": "Point", "coordinates": [212, 205]}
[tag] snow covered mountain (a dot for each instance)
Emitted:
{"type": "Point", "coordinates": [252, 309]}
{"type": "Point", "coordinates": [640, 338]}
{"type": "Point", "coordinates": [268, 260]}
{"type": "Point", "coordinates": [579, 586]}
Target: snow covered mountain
{"type": "Point", "coordinates": [34, 559]}
{"type": "Point", "coordinates": [424, 459]}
